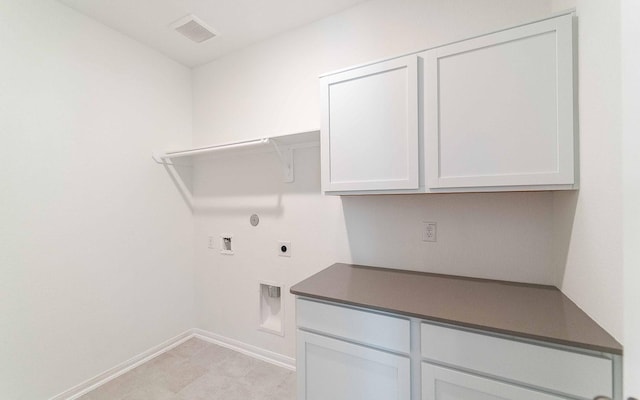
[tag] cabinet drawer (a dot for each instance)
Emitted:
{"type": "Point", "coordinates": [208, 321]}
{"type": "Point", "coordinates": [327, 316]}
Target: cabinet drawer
{"type": "Point", "coordinates": [366, 327]}
{"type": "Point", "coordinates": [561, 371]}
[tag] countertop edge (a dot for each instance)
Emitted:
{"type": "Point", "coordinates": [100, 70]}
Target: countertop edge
{"type": "Point", "coordinates": [492, 329]}
{"type": "Point", "coordinates": [614, 350]}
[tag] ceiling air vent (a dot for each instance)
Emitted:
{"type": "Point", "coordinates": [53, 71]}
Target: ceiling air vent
{"type": "Point", "coordinates": [193, 28]}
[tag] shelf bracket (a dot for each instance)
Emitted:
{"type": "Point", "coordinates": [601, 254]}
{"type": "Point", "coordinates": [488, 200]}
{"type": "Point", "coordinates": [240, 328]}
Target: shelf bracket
{"type": "Point", "coordinates": [159, 158]}
{"type": "Point", "coordinates": [285, 154]}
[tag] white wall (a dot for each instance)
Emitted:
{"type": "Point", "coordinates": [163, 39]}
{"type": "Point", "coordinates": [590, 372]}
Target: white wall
{"type": "Point", "coordinates": [96, 244]}
{"type": "Point", "coordinates": [630, 9]}
{"type": "Point", "coordinates": [227, 192]}
{"type": "Point", "coordinates": [588, 223]}
{"type": "Point", "coordinates": [272, 88]}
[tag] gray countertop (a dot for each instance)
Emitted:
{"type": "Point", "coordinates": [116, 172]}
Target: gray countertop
{"type": "Point", "coordinates": [530, 311]}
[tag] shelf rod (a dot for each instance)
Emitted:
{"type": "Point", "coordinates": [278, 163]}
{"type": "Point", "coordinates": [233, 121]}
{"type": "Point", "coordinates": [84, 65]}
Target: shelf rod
{"type": "Point", "coordinates": [283, 152]}
{"type": "Point", "coordinates": [161, 158]}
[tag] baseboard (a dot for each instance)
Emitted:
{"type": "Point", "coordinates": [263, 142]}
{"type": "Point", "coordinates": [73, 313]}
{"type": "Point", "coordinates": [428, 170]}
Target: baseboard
{"type": "Point", "coordinates": [248, 349]}
{"type": "Point", "coordinates": [122, 368]}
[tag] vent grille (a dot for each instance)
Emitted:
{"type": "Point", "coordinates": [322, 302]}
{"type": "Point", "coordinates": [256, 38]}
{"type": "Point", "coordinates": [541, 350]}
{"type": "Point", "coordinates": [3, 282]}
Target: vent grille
{"type": "Point", "coordinates": [194, 29]}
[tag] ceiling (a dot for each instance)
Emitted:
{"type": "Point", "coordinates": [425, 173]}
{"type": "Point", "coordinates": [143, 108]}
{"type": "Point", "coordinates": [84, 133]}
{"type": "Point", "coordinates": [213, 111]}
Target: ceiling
{"type": "Point", "coordinates": [238, 23]}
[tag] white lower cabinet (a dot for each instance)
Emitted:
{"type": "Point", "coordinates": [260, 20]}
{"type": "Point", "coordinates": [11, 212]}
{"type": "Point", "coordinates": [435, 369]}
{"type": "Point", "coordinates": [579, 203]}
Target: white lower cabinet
{"type": "Point", "coordinates": [333, 369]}
{"type": "Point", "coordinates": [346, 353]}
{"type": "Point", "coordinates": [353, 353]}
{"type": "Point", "coordinates": [439, 383]}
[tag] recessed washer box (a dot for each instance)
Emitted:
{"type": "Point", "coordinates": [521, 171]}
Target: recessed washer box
{"type": "Point", "coordinates": [271, 308]}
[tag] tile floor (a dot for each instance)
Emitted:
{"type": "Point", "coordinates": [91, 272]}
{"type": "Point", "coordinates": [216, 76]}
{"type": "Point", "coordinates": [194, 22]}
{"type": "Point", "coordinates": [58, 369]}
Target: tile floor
{"type": "Point", "coordinates": [198, 370]}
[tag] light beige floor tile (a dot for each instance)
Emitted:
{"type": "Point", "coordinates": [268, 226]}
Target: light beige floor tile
{"type": "Point", "coordinates": [115, 389]}
{"type": "Point", "coordinates": [280, 394]}
{"type": "Point", "coordinates": [236, 366]}
{"type": "Point", "coordinates": [198, 370]}
{"type": "Point", "coordinates": [236, 391]}
{"type": "Point", "coordinates": [174, 377]}
{"type": "Point", "coordinates": [212, 386]}
{"type": "Point", "coordinates": [150, 393]}
{"type": "Point", "coordinates": [287, 388]}
{"type": "Point", "coordinates": [165, 361]}
{"type": "Point", "coordinates": [212, 356]}
{"type": "Point", "coordinates": [264, 377]}
{"type": "Point", "coordinates": [189, 348]}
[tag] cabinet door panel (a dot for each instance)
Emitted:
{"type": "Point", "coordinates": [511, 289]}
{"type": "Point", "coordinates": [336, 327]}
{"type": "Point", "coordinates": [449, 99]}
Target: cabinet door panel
{"type": "Point", "coordinates": [499, 109]}
{"type": "Point", "coordinates": [370, 127]}
{"type": "Point", "coordinates": [440, 383]}
{"type": "Point", "coordinates": [337, 370]}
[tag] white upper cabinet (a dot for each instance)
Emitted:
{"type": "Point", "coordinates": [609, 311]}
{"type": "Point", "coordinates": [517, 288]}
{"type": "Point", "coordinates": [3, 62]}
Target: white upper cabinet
{"type": "Point", "coordinates": [369, 127]}
{"type": "Point", "coordinates": [499, 110]}
{"type": "Point", "coordinates": [491, 113]}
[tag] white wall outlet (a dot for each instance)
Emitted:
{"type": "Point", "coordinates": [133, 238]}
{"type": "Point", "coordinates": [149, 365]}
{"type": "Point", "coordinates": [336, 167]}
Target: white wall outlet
{"type": "Point", "coordinates": [284, 248]}
{"type": "Point", "coordinates": [211, 243]}
{"type": "Point", "coordinates": [226, 244]}
{"type": "Point", "coordinates": [429, 232]}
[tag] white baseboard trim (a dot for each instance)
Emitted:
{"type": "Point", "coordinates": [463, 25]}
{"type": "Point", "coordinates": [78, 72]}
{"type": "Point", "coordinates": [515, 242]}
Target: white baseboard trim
{"type": "Point", "coordinates": [248, 349]}
{"type": "Point", "coordinates": [124, 367]}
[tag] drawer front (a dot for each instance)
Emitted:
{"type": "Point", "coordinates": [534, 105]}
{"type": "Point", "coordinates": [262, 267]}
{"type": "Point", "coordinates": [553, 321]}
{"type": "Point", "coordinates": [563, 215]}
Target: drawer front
{"type": "Point", "coordinates": [551, 369]}
{"type": "Point", "coordinates": [372, 329]}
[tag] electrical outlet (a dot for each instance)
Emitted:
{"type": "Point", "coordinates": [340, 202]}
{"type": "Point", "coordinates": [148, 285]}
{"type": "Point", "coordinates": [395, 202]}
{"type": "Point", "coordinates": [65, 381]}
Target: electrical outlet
{"type": "Point", "coordinates": [429, 232]}
{"type": "Point", "coordinates": [212, 243]}
{"type": "Point", "coordinates": [284, 248]}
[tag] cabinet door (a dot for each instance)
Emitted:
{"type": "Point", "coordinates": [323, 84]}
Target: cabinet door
{"type": "Point", "coordinates": [440, 383]}
{"type": "Point", "coordinates": [499, 109]}
{"type": "Point", "coordinates": [333, 369]}
{"type": "Point", "coordinates": [369, 127]}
